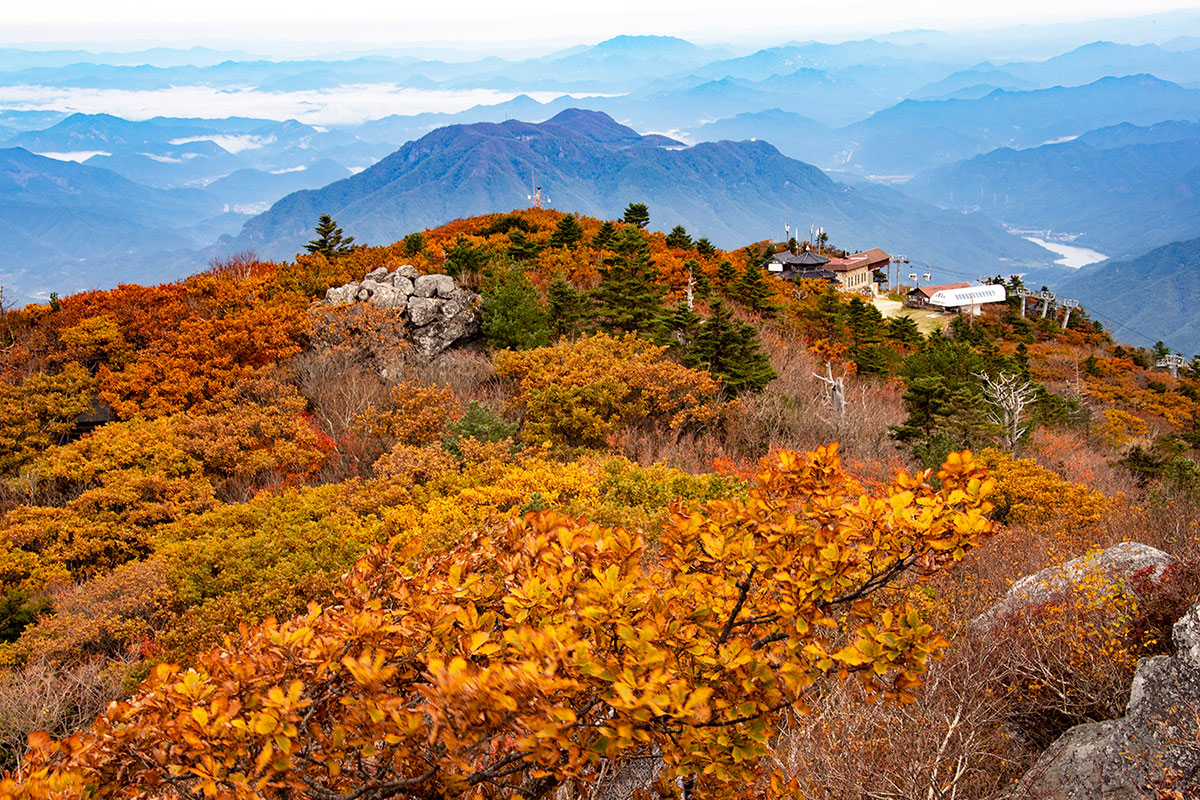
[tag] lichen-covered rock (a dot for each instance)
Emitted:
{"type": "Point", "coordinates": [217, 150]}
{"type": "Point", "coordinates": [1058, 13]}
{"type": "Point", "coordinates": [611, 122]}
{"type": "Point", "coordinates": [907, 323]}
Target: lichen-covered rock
{"type": "Point", "coordinates": [434, 286]}
{"type": "Point", "coordinates": [458, 320]}
{"type": "Point", "coordinates": [388, 296]}
{"type": "Point", "coordinates": [341, 294]}
{"type": "Point", "coordinates": [1156, 743]}
{"type": "Point", "coordinates": [402, 284]}
{"type": "Point", "coordinates": [1136, 566]}
{"type": "Point", "coordinates": [440, 313]}
{"type": "Point", "coordinates": [423, 310]}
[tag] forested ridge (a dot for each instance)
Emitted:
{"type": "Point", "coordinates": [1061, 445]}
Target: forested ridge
{"type": "Point", "coordinates": [253, 544]}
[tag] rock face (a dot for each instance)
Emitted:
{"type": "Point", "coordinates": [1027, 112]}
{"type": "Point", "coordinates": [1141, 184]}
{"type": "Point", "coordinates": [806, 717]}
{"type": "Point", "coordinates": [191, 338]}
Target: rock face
{"type": "Point", "coordinates": [1132, 564]}
{"type": "Point", "coordinates": [439, 313]}
{"type": "Point", "coordinates": [1129, 758]}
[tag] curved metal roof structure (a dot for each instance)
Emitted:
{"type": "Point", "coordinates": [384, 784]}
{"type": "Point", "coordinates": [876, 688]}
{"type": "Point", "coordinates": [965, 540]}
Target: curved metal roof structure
{"type": "Point", "coordinates": [969, 296]}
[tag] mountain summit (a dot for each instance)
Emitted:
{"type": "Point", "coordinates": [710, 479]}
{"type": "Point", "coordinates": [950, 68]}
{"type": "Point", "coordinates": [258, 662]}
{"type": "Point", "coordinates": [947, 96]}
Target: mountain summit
{"type": "Point", "coordinates": [731, 192]}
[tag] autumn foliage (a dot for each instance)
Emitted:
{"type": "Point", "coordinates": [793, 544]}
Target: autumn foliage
{"type": "Point", "coordinates": [533, 652]}
{"type": "Point", "coordinates": [343, 570]}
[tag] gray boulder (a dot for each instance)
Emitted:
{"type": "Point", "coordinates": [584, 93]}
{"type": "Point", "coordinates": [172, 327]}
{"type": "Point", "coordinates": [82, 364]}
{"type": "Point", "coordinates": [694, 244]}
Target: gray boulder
{"type": "Point", "coordinates": [408, 271]}
{"type": "Point", "coordinates": [434, 286]}
{"type": "Point", "coordinates": [458, 320]}
{"type": "Point", "coordinates": [423, 310]}
{"type": "Point", "coordinates": [1135, 565]}
{"type": "Point", "coordinates": [1129, 758]}
{"type": "Point", "coordinates": [402, 284]}
{"type": "Point", "coordinates": [341, 294]}
{"type": "Point", "coordinates": [379, 274]}
{"type": "Point", "coordinates": [388, 296]}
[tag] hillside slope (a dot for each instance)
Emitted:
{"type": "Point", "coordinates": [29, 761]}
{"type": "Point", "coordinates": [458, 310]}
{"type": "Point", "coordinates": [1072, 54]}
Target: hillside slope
{"type": "Point", "coordinates": [1121, 199]}
{"type": "Point", "coordinates": [1153, 297]}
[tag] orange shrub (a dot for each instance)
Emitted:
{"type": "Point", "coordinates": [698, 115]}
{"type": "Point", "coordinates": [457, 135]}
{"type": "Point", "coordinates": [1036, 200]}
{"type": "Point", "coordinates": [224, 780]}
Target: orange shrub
{"type": "Point", "coordinates": [580, 392]}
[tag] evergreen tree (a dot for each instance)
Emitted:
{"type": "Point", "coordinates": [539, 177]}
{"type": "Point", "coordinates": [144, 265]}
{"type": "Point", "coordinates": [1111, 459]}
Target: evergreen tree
{"type": "Point", "coordinates": [903, 330]}
{"type": "Point", "coordinates": [753, 291]}
{"type": "Point", "coordinates": [413, 244]}
{"type": "Point", "coordinates": [679, 238]}
{"type": "Point", "coordinates": [521, 247]}
{"type": "Point", "coordinates": [513, 318]}
{"type": "Point", "coordinates": [629, 297]}
{"type": "Point", "coordinates": [727, 277]}
{"type": "Point", "coordinates": [705, 248]}
{"type": "Point", "coordinates": [944, 395]}
{"type": "Point", "coordinates": [683, 324]}
{"type": "Point", "coordinates": [568, 232]}
{"type": "Point", "coordinates": [570, 309]}
{"type": "Point", "coordinates": [729, 349]}
{"type": "Point", "coordinates": [603, 238]}
{"type": "Point", "coordinates": [827, 319]}
{"type": "Point", "coordinates": [637, 214]}
{"type": "Point", "coordinates": [462, 257]}
{"type": "Point", "coordinates": [864, 321]}
{"type": "Point", "coordinates": [329, 242]}
{"type": "Point", "coordinates": [1022, 360]}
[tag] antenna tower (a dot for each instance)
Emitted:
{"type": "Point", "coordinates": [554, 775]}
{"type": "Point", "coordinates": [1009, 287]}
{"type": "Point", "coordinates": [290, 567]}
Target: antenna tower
{"type": "Point", "coordinates": [536, 197]}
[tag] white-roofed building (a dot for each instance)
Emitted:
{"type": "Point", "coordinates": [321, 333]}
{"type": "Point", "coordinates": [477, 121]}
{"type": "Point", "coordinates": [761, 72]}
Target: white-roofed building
{"type": "Point", "coordinates": [961, 297]}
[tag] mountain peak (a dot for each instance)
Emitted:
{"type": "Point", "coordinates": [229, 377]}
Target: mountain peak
{"type": "Point", "coordinates": [595, 125]}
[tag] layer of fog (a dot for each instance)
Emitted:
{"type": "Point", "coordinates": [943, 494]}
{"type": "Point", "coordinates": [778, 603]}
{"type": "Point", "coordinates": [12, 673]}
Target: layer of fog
{"type": "Point", "coordinates": [344, 105]}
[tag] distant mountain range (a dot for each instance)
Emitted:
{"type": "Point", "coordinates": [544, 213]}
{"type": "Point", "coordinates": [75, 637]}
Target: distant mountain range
{"type": "Point", "coordinates": [1146, 299]}
{"type": "Point", "coordinates": [731, 192]}
{"type": "Point", "coordinates": [62, 224]}
{"type": "Point", "coordinates": [1122, 190]}
{"type": "Point", "coordinates": [919, 134]}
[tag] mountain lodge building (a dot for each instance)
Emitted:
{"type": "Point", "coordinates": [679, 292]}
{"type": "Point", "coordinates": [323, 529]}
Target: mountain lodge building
{"type": "Point", "coordinates": [854, 273]}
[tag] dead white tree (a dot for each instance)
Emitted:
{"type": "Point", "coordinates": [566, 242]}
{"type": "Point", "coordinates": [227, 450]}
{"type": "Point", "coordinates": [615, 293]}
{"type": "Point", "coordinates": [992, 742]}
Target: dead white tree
{"type": "Point", "coordinates": [837, 390]}
{"type": "Point", "coordinates": [1008, 395]}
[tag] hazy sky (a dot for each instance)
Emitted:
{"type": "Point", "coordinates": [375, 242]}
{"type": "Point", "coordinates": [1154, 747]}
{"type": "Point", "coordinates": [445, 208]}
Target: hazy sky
{"type": "Point", "coordinates": [555, 22]}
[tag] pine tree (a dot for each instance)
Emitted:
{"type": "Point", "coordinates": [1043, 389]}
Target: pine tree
{"type": "Point", "coordinates": [705, 248]}
{"type": "Point", "coordinates": [679, 238]}
{"type": "Point", "coordinates": [701, 285]}
{"type": "Point", "coordinates": [684, 324]}
{"type": "Point", "coordinates": [521, 247]}
{"type": "Point", "coordinates": [753, 291]}
{"type": "Point", "coordinates": [903, 330]}
{"type": "Point", "coordinates": [570, 309]}
{"type": "Point", "coordinates": [730, 349]}
{"type": "Point", "coordinates": [462, 257]}
{"type": "Point", "coordinates": [413, 244]}
{"type": "Point", "coordinates": [568, 233]}
{"type": "Point", "coordinates": [827, 319]}
{"type": "Point", "coordinates": [637, 214]}
{"type": "Point", "coordinates": [864, 321]}
{"type": "Point", "coordinates": [513, 318]}
{"type": "Point", "coordinates": [603, 238]}
{"type": "Point", "coordinates": [629, 297]}
{"type": "Point", "coordinates": [329, 242]}
{"type": "Point", "coordinates": [727, 277]}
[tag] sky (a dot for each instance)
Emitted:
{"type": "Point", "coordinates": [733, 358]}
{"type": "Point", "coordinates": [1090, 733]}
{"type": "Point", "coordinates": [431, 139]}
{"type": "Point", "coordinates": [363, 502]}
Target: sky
{"type": "Point", "coordinates": [528, 23]}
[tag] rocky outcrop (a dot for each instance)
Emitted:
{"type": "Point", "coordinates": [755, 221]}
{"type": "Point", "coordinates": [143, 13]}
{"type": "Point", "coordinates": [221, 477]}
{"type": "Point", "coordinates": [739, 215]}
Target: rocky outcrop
{"type": "Point", "coordinates": [1156, 745]}
{"type": "Point", "coordinates": [1138, 567]}
{"type": "Point", "coordinates": [439, 312]}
